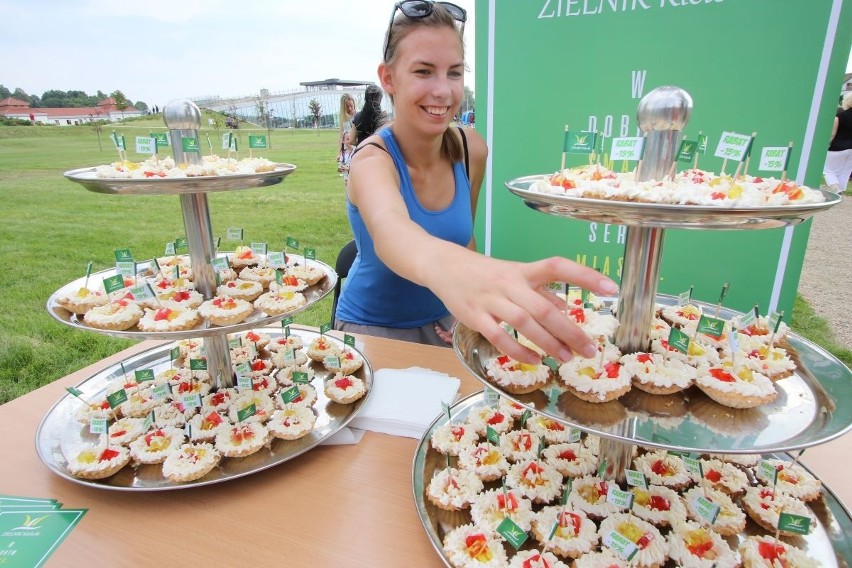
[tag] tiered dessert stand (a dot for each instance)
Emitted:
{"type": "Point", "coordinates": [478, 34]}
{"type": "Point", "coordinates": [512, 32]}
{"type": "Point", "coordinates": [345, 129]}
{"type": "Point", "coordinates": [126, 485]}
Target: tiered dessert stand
{"type": "Point", "coordinates": [811, 407]}
{"type": "Point", "coordinates": [59, 429]}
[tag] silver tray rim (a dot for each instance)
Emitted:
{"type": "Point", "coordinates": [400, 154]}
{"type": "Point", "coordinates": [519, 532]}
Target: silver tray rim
{"type": "Point", "coordinates": [365, 373]}
{"type": "Point", "coordinates": [840, 423]}
{"type": "Point", "coordinates": [174, 186]}
{"type": "Point", "coordinates": [665, 215]}
{"type": "Point", "coordinates": [204, 329]}
{"type": "Point", "coordinates": [839, 512]}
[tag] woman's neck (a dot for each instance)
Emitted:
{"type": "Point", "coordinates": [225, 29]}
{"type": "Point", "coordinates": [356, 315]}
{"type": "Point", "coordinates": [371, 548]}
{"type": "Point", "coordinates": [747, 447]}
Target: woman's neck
{"type": "Point", "coordinates": [419, 151]}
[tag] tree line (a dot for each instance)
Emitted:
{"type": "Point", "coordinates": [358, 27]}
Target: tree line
{"type": "Point", "coordinates": [55, 98]}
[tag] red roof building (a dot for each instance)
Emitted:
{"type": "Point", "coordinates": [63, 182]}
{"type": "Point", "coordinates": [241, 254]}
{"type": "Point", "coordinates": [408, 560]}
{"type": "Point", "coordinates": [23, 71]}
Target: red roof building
{"type": "Point", "coordinates": [106, 110]}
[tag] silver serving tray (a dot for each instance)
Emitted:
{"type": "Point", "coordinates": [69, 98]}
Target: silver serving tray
{"type": "Point", "coordinates": [60, 429]}
{"type": "Point", "coordinates": [172, 186]}
{"type": "Point", "coordinates": [812, 407]}
{"type": "Point", "coordinates": [257, 319]}
{"type": "Point", "coordinates": [828, 543]}
{"type": "Point", "coordinates": [664, 215]}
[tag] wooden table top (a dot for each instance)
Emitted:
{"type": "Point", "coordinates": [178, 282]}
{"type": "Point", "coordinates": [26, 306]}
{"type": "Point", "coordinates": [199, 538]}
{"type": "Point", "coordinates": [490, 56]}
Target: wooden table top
{"type": "Point", "coordinates": [349, 505]}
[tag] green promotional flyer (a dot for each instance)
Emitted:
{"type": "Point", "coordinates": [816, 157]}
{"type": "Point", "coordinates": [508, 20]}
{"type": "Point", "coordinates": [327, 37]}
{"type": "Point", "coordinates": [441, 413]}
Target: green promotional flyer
{"type": "Point", "coordinates": [770, 67]}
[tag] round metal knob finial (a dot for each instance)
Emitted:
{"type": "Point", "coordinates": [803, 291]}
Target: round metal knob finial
{"type": "Point", "coordinates": [664, 108]}
{"type": "Point", "coordinates": [182, 115]}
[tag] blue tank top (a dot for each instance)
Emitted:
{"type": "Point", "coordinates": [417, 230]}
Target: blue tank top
{"type": "Point", "coordinates": [372, 293]}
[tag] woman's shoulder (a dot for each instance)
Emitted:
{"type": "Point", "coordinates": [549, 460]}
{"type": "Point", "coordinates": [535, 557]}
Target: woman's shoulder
{"type": "Point", "coordinates": [477, 148]}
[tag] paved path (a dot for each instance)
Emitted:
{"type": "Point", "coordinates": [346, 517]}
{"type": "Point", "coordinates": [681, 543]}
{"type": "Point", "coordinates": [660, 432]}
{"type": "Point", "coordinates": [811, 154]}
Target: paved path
{"type": "Point", "coordinates": [826, 281]}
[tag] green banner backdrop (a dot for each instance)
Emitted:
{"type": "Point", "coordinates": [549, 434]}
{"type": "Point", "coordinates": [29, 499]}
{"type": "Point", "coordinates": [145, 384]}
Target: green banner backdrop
{"type": "Point", "coordinates": [768, 66]}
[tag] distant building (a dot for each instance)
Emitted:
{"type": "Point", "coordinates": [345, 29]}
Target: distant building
{"type": "Point", "coordinates": [106, 110]}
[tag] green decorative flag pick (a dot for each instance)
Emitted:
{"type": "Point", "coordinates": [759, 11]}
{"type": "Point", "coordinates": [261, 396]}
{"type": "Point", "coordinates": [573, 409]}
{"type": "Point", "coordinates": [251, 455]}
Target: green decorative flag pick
{"type": "Point", "coordinates": [627, 148]}
{"type": "Point", "coordinates": [794, 523]}
{"type": "Point", "coordinates": [705, 509]}
{"type": "Point", "coordinates": [181, 245]}
{"type": "Point", "coordinates": [257, 142]}
{"type": "Point", "coordinates": [621, 545]}
{"type": "Point", "coordinates": [88, 273]}
{"type": "Point", "coordinates": [162, 139]}
{"type": "Point", "coordinates": [113, 283]}
{"type": "Point", "coordinates": [725, 287]}
{"type": "Point", "coordinates": [169, 249]}
{"type": "Point", "coordinates": [291, 394]}
{"type": "Point", "coordinates": [512, 533]}
{"type": "Point", "coordinates": [301, 378]}
{"type": "Point", "coordinates": [234, 234]}
{"type": "Point", "coordinates": [310, 253]}
{"type": "Point", "coordinates": [123, 255]}
{"type": "Point", "coordinates": [246, 412]}
{"type": "Point", "coordinates": [293, 243]}
{"type": "Point", "coordinates": [258, 248]}
{"type": "Point", "coordinates": [190, 144]}
{"type": "Point", "coordinates": [774, 158]}
{"type": "Point", "coordinates": [349, 340]}
{"type": "Point", "coordinates": [116, 398]}
{"type": "Point", "coordinates": [582, 142]}
{"type": "Point", "coordinates": [711, 326]}
{"type": "Point", "coordinates": [325, 328]}
{"type": "Point", "coordinates": [686, 150]}
{"type": "Point", "coordinates": [75, 391]}
{"type": "Point", "coordinates": [492, 435]}
{"type": "Point", "coordinates": [685, 298]}
{"type": "Point", "coordinates": [679, 340]}
{"type": "Point", "coordinates": [198, 364]}
{"type": "Point", "coordinates": [143, 375]}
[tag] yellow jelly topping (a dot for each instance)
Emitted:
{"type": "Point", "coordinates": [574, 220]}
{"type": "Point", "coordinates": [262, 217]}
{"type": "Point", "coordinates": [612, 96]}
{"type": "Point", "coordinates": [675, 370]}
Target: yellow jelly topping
{"type": "Point", "coordinates": [588, 371]}
{"type": "Point", "coordinates": [87, 456]}
{"type": "Point", "coordinates": [695, 349]}
{"type": "Point", "coordinates": [159, 444]}
{"type": "Point", "coordinates": [527, 367]}
{"type": "Point", "coordinates": [492, 458]}
{"type": "Point", "coordinates": [745, 374]}
{"type": "Point", "coordinates": [82, 292]}
{"type": "Point", "coordinates": [641, 497]}
{"type": "Point", "coordinates": [631, 531]}
{"type": "Point", "coordinates": [735, 191]}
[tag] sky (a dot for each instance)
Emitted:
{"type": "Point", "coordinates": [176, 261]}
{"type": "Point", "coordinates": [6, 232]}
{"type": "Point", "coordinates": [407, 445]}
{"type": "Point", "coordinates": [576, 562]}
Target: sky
{"type": "Point", "coordinates": [160, 50]}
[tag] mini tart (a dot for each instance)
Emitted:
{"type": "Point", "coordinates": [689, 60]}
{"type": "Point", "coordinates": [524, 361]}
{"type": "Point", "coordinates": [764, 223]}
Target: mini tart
{"type": "Point", "coordinates": [167, 263]}
{"type": "Point", "coordinates": [519, 445]}
{"type": "Point", "coordinates": [281, 358]}
{"type": "Point", "coordinates": [761, 331]}
{"type": "Point", "coordinates": [453, 489]}
{"type": "Point", "coordinates": [655, 374]}
{"type": "Point", "coordinates": [225, 310]}
{"type": "Point", "coordinates": [740, 460]}
{"type": "Point", "coordinates": [260, 368]}
{"type": "Point", "coordinates": [240, 289]}
{"type": "Point", "coordinates": [588, 380]}
{"type": "Point", "coordinates": [97, 462]}
{"type": "Point", "coordinates": [256, 338]}
{"type": "Point", "coordinates": [292, 422]}
{"type": "Point", "coordinates": [277, 303]}
{"type": "Point", "coordinates": [189, 385]}
{"type": "Point", "coordinates": [451, 438]}
{"type": "Point", "coordinates": [169, 319]}
{"type": "Point", "coordinates": [471, 546]}
{"type": "Point", "coordinates": [731, 519]}
{"type": "Point", "coordinates": [284, 376]}
{"type": "Point", "coordinates": [345, 389]}
{"type": "Point", "coordinates": [190, 348]}
{"type": "Point", "coordinates": [767, 552]}
{"type": "Point", "coordinates": [220, 400]}
{"type": "Point", "coordinates": [174, 298]}
{"type": "Point", "coordinates": [124, 430]}
{"type": "Point", "coordinates": [97, 409]}
{"type": "Point", "coordinates": [264, 407]}
{"type": "Point", "coordinates": [288, 282]}
{"type": "Point", "coordinates": [257, 274]}
{"type": "Point", "coordinates": [773, 362]}
{"type": "Point", "coordinates": [736, 387]}
{"type": "Point", "coordinates": [241, 439]}
{"type": "Point", "coordinates": [485, 460]}
{"type": "Point", "coordinates": [264, 384]}
{"type": "Point", "coordinates": [576, 535]}
{"type": "Point", "coordinates": [242, 257]}
{"type": "Point", "coordinates": [570, 459]}
{"type": "Point", "coordinates": [83, 300]}
{"type": "Point", "coordinates": [693, 546]}
{"type": "Point", "coordinates": [658, 505]}
{"type": "Point", "coordinates": [536, 559]}
{"type": "Point", "coordinates": [155, 445]}
{"type": "Point", "coordinates": [190, 462]}
{"type": "Point", "coordinates": [282, 343]}
{"type": "Point", "coordinates": [205, 425]}
{"type": "Point", "coordinates": [725, 477]}
{"type": "Point", "coordinates": [483, 417]}
{"type": "Point", "coordinates": [169, 415]}
{"type": "Point", "coordinates": [588, 494]}
{"type": "Point", "coordinates": [516, 377]}
{"type": "Point", "coordinates": [535, 480]}
{"type": "Point", "coordinates": [322, 347]}
{"type": "Point", "coordinates": [164, 283]}
{"type": "Point", "coordinates": [491, 507]}
{"type": "Point", "coordinates": [307, 396]}
{"type": "Point", "coordinates": [117, 316]}
{"type": "Point", "coordinates": [350, 361]}
{"type": "Point", "coordinates": [511, 408]}
{"type": "Point", "coordinates": [697, 354]}
{"type": "Point", "coordinates": [765, 507]}
{"type": "Point", "coordinates": [795, 480]}
{"type": "Point", "coordinates": [140, 402]}
{"type": "Point", "coordinates": [554, 432]}
{"type": "Point", "coordinates": [681, 316]}
{"type": "Point", "coordinates": [310, 274]}
{"type": "Point", "coordinates": [652, 547]}
{"type": "Point", "coordinates": [662, 468]}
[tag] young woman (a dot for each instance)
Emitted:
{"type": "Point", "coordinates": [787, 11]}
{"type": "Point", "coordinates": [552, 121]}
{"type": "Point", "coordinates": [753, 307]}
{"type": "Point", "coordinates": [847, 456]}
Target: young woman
{"type": "Point", "coordinates": [347, 114]}
{"type": "Point", "coordinates": [412, 195]}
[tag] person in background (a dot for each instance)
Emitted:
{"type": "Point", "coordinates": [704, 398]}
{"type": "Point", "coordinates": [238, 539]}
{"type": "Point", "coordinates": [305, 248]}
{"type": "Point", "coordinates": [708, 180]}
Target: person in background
{"type": "Point", "coordinates": [371, 116]}
{"type": "Point", "coordinates": [347, 114]}
{"type": "Point", "coordinates": [411, 201]}
{"type": "Point", "coordinates": [838, 162]}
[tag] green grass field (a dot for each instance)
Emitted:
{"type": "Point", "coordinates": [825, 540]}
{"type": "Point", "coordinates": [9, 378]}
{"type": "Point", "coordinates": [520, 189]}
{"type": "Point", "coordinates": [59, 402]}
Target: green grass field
{"type": "Point", "coordinates": [51, 228]}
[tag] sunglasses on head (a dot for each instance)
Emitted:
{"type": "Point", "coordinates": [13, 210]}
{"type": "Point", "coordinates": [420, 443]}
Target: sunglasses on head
{"type": "Point", "coordinates": [417, 9]}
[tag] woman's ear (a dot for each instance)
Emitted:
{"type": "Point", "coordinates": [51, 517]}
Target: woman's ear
{"type": "Point", "coordinates": [386, 78]}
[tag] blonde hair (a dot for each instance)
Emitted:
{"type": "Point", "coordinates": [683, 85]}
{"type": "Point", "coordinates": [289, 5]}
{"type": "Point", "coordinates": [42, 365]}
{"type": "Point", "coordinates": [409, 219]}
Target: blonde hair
{"type": "Point", "coordinates": [847, 101]}
{"type": "Point", "coordinates": [344, 113]}
{"type": "Point", "coordinates": [402, 25]}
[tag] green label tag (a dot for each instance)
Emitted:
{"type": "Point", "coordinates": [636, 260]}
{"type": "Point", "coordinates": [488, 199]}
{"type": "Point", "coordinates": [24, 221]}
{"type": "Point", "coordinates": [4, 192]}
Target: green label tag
{"type": "Point", "coordinates": [767, 472]}
{"type": "Point", "coordinates": [310, 253]}
{"type": "Point", "coordinates": [287, 321]}
{"type": "Point", "coordinates": [192, 400]}
{"type": "Point", "coordinates": [181, 245]}
{"type": "Point", "coordinates": [574, 435]}
{"type": "Point", "coordinates": [332, 362]}
{"type": "Point", "coordinates": [619, 498]}
{"type": "Point", "coordinates": [198, 364]}
{"type": "Point", "coordinates": [524, 417]}
{"type": "Point", "coordinates": [286, 330]}
{"type": "Point", "coordinates": [794, 523]}
{"type": "Point", "coordinates": [679, 340]}
{"type": "Point", "coordinates": [492, 435]}
{"type": "Point", "coordinates": [276, 259]}
{"type": "Point", "coordinates": [581, 142]}
{"type": "Point", "coordinates": [706, 509]}
{"type": "Point", "coordinates": [98, 426]}
{"type": "Point", "coordinates": [635, 478]}
{"type": "Point", "coordinates": [169, 250]}
{"type": "Point", "coordinates": [162, 139]}
{"type": "Point", "coordinates": [246, 412]}
{"type": "Point", "coordinates": [143, 375]}
{"type": "Point", "coordinates": [684, 298]}
{"type": "Point", "coordinates": [113, 283]}
{"type": "Point", "coordinates": [747, 319]}
{"type": "Point", "coordinates": [552, 364]}
{"type": "Point", "coordinates": [512, 533]}
{"type": "Point", "coordinates": [602, 467]}
{"type": "Point", "coordinates": [235, 342]}
{"type": "Point", "coordinates": [733, 146]}
{"type": "Point", "coordinates": [226, 141]}
{"type": "Point", "coordinates": [220, 265]}
{"type": "Point", "coordinates": [349, 340]}
{"type": "Point", "coordinates": [257, 141]}
{"type": "Point", "coordinates": [116, 398]}
{"type": "Point", "coordinates": [290, 356]}
{"type": "Point", "coordinates": [74, 391]}
{"type": "Point", "coordinates": [621, 545]}
{"type": "Point", "coordinates": [146, 145]}
{"type": "Point", "coordinates": [774, 159]}
{"type": "Point", "coordinates": [301, 378]}
{"type": "Point", "coordinates": [174, 353]}
{"type": "Point", "coordinates": [234, 234]}
{"type": "Point", "coordinates": [142, 293]}
{"type": "Point", "coordinates": [629, 148]}
{"type": "Point", "coordinates": [292, 243]}
{"type": "Point", "coordinates": [160, 391]}
{"type": "Point", "coordinates": [258, 248]}
{"type": "Point", "coordinates": [190, 144]}
{"type": "Point", "coordinates": [126, 268]}
{"type": "Point", "coordinates": [702, 143]}
{"type": "Point", "coordinates": [774, 321]}
{"type": "Point", "coordinates": [711, 326]}
{"type": "Point", "coordinates": [291, 394]}
{"type": "Point", "coordinates": [325, 328]}
{"type": "Point", "coordinates": [492, 397]}
{"type": "Point", "coordinates": [693, 466]}
{"type": "Point", "coordinates": [566, 491]}
{"type": "Point", "coordinates": [123, 255]}
{"type": "Point", "coordinates": [279, 278]}
{"type": "Point", "coordinates": [686, 151]}
{"type": "Point", "coordinates": [149, 421]}
{"type": "Point", "coordinates": [725, 287]}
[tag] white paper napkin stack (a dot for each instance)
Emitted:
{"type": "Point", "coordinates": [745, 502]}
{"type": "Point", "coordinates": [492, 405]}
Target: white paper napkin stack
{"type": "Point", "coordinates": [404, 402]}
